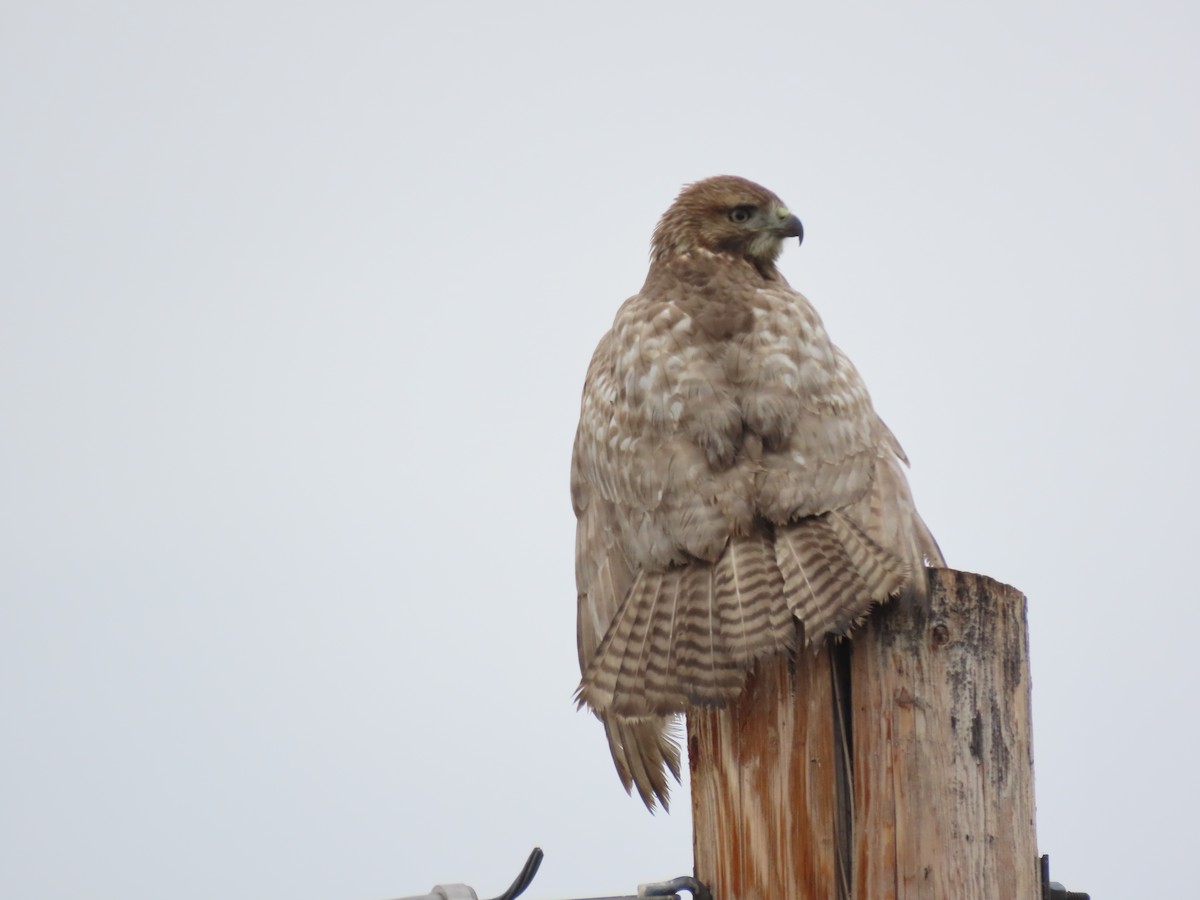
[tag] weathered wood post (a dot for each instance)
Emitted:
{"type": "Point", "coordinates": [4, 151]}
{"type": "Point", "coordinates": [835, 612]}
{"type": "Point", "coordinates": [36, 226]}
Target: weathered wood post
{"type": "Point", "coordinates": [895, 765]}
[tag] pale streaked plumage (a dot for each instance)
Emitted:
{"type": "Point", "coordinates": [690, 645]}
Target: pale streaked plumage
{"type": "Point", "coordinates": [730, 479]}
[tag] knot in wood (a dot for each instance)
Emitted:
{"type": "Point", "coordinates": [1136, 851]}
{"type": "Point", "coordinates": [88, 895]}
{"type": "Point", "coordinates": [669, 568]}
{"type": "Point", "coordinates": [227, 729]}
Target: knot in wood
{"type": "Point", "coordinates": [939, 634]}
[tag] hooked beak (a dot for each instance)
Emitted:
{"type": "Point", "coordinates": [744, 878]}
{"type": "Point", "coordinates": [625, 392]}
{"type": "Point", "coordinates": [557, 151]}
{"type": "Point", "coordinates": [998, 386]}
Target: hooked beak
{"type": "Point", "coordinates": [791, 227]}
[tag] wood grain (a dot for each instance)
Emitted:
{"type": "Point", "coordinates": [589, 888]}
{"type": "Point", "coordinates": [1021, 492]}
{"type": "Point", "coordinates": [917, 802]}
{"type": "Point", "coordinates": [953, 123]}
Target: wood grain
{"type": "Point", "coordinates": [939, 751]}
{"type": "Point", "coordinates": [763, 785]}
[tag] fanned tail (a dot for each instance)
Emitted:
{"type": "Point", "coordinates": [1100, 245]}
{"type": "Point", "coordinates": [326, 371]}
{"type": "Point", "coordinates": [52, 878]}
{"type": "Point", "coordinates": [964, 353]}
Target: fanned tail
{"type": "Point", "coordinates": [687, 636]}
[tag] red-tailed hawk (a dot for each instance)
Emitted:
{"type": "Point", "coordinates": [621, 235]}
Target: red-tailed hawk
{"type": "Point", "coordinates": [730, 479]}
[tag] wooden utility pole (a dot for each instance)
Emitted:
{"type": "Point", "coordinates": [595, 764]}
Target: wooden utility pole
{"type": "Point", "coordinates": [898, 764]}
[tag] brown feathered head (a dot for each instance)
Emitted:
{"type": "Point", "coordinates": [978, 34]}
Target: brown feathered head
{"type": "Point", "coordinates": [729, 215]}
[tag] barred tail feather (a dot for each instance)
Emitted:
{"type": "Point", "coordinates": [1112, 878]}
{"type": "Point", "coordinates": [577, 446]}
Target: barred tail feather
{"type": "Point", "coordinates": [631, 674]}
{"type": "Point", "coordinates": [645, 682]}
{"type": "Point", "coordinates": [748, 588]}
{"type": "Point", "coordinates": [702, 665]}
{"type": "Point", "coordinates": [833, 572]}
{"type": "Point", "coordinates": [658, 677]}
{"type": "Point", "coordinates": [882, 573]}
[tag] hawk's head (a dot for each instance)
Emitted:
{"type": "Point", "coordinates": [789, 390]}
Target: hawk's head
{"type": "Point", "coordinates": [726, 214]}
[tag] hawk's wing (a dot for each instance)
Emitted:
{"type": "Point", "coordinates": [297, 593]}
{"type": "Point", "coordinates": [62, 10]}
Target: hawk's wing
{"type": "Point", "coordinates": [643, 748]}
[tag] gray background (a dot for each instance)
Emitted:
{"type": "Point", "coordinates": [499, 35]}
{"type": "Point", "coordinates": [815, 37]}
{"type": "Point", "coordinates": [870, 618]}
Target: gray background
{"type": "Point", "coordinates": [296, 305]}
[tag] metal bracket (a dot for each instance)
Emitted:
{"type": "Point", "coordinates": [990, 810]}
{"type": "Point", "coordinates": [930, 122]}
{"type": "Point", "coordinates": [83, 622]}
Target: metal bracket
{"type": "Point", "coordinates": [1052, 890]}
{"type": "Point", "coordinates": [670, 889]}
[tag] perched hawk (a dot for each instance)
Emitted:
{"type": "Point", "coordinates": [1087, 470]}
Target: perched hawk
{"type": "Point", "coordinates": [730, 479]}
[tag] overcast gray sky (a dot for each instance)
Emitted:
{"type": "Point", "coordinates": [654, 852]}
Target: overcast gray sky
{"type": "Point", "coordinates": [296, 305]}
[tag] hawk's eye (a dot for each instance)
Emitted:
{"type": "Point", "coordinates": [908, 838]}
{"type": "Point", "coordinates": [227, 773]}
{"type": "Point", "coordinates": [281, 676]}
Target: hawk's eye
{"type": "Point", "coordinates": [741, 214]}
